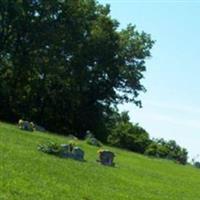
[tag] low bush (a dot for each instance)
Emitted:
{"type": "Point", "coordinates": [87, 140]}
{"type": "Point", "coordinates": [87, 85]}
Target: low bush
{"type": "Point", "coordinates": [129, 136]}
{"type": "Point", "coordinates": [50, 148]}
{"type": "Point", "coordinates": [197, 164]}
{"type": "Point", "coordinates": [167, 149]}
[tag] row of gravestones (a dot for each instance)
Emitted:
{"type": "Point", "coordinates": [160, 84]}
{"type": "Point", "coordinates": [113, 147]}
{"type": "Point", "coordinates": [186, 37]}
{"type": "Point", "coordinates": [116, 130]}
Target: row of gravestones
{"type": "Point", "coordinates": [106, 157]}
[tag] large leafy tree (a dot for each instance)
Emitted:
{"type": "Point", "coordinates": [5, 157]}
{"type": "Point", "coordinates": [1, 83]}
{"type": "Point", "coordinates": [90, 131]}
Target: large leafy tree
{"type": "Point", "coordinates": [65, 63]}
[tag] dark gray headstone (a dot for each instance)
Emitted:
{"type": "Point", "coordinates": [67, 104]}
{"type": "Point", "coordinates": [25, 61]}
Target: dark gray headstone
{"type": "Point", "coordinates": [65, 150]}
{"type": "Point", "coordinates": [25, 125]}
{"type": "Point", "coordinates": [106, 157]}
{"type": "Point", "coordinates": [78, 153]}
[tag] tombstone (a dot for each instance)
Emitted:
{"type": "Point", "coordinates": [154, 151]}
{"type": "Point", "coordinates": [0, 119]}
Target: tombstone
{"type": "Point", "coordinates": [72, 137]}
{"type": "Point", "coordinates": [78, 153]}
{"type": "Point", "coordinates": [106, 157]}
{"type": "Point", "coordinates": [25, 125]}
{"type": "Point", "coordinates": [90, 139]}
{"type": "Point", "coordinates": [94, 142]}
{"type": "Point", "coordinates": [89, 134]}
{"type": "Point", "coordinates": [65, 150]}
{"type": "Point", "coordinates": [65, 147]}
{"type": "Point", "coordinates": [38, 128]}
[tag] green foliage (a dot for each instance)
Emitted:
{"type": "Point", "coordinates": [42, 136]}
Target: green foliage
{"type": "Point", "coordinates": [196, 161]}
{"type": "Point", "coordinates": [50, 148]}
{"type": "Point", "coordinates": [63, 63]}
{"type": "Point", "coordinates": [126, 135]}
{"type": "Point", "coordinates": [27, 174]}
{"type": "Point", "coordinates": [197, 164]}
{"type": "Point", "coordinates": [129, 136]}
{"type": "Point", "coordinates": [57, 149]}
{"type": "Point", "coordinates": [167, 149]}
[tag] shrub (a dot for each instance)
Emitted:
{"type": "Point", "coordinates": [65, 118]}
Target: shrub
{"type": "Point", "coordinates": [167, 149]}
{"type": "Point", "coordinates": [50, 148]}
{"type": "Point", "coordinates": [128, 136]}
{"type": "Point", "coordinates": [197, 164]}
{"type": "Point", "coordinates": [196, 161]}
{"type": "Point", "coordinates": [156, 150]}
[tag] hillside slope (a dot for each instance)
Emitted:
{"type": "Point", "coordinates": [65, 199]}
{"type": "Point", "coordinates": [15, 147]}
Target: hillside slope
{"type": "Point", "coordinates": [27, 174]}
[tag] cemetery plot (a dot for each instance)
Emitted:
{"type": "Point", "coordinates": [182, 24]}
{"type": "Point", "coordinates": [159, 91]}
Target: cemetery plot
{"type": "Point", "coordinates": [63, 150]}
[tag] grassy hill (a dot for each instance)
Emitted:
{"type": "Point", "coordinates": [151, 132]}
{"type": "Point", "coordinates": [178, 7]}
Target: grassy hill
{"type": "Point", "coordinates": [27, 174]}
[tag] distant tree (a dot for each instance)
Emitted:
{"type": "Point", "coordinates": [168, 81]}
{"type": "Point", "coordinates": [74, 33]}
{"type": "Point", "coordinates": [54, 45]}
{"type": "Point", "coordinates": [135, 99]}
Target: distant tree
{"type": "Point", "coordinates": [196, 162]}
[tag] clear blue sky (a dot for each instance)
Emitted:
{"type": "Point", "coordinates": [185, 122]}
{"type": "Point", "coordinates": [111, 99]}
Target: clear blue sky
{"type": "Point", "coordinates": [171, 106]}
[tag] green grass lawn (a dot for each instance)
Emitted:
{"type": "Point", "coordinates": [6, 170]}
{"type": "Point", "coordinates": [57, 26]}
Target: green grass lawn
{"type": "Point", "coordinates": [26, 173]}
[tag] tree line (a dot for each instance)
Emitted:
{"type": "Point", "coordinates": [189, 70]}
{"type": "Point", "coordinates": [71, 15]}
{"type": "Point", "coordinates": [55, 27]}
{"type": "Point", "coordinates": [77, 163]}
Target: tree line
{"type": "Point", "coordinates": [127, 135]}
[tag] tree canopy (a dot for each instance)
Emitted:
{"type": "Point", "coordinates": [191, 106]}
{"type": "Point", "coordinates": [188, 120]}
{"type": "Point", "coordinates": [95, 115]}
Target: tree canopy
{"type": "Point", "coordinates": [65, 63]}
